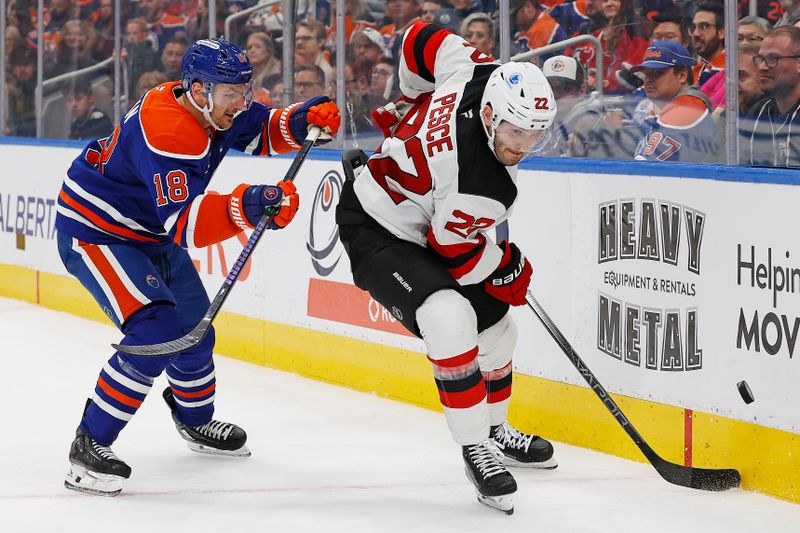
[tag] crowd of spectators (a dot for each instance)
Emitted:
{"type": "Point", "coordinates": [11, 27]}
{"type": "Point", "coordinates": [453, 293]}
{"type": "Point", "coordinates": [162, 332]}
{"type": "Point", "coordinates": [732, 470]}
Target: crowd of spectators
{"type": "Point", "coordinates": [661, 102]}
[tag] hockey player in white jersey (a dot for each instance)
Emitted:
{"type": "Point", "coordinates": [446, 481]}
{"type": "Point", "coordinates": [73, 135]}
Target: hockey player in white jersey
{"type": "Point", "coordinates": [415, 220]}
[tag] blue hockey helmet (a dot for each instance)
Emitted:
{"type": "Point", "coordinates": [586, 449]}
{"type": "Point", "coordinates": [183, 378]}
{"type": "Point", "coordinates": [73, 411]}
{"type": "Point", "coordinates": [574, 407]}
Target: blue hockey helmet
{"type": "Point", "coordinates": [215, 61]}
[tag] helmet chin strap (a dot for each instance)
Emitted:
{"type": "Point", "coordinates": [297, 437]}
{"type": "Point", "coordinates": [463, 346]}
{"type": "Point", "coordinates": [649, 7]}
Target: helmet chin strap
{"type": "Point", "coordinates": [205, 110]}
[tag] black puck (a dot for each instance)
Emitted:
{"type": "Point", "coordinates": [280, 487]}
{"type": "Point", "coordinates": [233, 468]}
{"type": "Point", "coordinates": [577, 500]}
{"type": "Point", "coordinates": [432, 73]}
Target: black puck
{"type": "Point", "coordinates": [744, 390]}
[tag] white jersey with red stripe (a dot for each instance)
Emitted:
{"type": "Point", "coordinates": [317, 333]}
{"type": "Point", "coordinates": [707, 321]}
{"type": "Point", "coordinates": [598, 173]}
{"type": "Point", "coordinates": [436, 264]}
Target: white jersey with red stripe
{"type": "Point", "coordinates": [146, 183]}
{"type": "Point", "coordinates": [435, 181]}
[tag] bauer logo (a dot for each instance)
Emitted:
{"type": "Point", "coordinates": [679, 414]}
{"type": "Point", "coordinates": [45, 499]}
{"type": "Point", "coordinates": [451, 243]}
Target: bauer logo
{"type": "Point", "coordinates": [323, 234]}
{"type": "Point", "coordinates": [649, 252]}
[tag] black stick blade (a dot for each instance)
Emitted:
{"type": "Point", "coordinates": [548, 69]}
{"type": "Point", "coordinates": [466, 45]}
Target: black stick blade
{"type": "Point", "coordinates": [698, 478]}
{"type": "Point", "coordinates": [182, 344]}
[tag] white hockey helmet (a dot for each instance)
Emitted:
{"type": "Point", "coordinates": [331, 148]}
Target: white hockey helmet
{"type": "Point", "coordinates": [520, 94]}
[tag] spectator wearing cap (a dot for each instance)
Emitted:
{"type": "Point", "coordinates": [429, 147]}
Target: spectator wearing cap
{"type": "Point", "coordinates": [708, 40]}
{"type": "Point", "coordinates": [367, 45]}
{"type": "Point", "coordinates": [566, 78]}
{"type": "Point", "coordinates": [478, 30]}
{"type": "Point", "coordinates": [532, 27]}
{"type": "Point", "coordinates": [774, 122]}
{"type": "Point", "coordinates": [682, 128]}
{"type": "Point", "coordinates": [88, 122]}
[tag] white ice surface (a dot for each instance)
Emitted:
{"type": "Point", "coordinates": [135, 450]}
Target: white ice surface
{"type": "Point", "coordinates": [325, 459]}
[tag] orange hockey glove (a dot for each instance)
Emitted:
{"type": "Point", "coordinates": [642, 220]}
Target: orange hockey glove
{"type": "Point", "coordinates": [249, 202]}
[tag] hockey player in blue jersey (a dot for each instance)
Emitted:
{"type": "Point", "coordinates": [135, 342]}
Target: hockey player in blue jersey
{"type": "Point", "coordinates": [130, 205]}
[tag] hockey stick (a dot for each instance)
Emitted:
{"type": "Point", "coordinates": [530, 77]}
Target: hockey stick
{"type": "Point", "coordinates": [685, 476]}
{"type": "Point", "coordinates": [194, 337]}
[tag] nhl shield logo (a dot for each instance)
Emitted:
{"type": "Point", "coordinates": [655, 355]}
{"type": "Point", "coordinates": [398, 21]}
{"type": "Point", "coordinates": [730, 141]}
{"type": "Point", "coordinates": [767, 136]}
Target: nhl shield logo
{"type": "Point", "coordinates": [152, 281]}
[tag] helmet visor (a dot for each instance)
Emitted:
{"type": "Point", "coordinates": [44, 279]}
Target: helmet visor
{"type": "Point", "coordinates": [233, 97]}
{"type": "Point", "coordinates": [520, 141]}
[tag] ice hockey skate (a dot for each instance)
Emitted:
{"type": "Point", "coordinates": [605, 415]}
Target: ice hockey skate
{"type": "Point", "coordinates": [94, 469]}
{"type": "Point", "coordinates": [494, 485]}
{"type": "Point", "coordinates": [522, 449]}
{"type": "Point", "coordinates": [214, 437]}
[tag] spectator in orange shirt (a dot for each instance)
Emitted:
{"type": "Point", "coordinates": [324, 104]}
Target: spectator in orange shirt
{"type": "Point", "coordinates": [708, 40]}
{"type": "Point", "coordinates": [532, 27]}
{"type": "Point", "coordinates": [401, 14]}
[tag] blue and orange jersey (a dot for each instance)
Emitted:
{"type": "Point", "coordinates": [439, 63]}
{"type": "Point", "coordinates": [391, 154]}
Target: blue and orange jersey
{"type": "Point", "coordinates": [146, 183]}
{"type": "Point", "coordinates": [544, 30]}
{"type": "Point", "coordinates": [682, 131]}
{"type": "Point", "coordinates": [569, 15]}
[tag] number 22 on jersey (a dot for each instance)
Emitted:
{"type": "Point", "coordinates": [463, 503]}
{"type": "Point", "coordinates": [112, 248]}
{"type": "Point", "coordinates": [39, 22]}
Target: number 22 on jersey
{"type": "Point", "coordinates": [383, 167]}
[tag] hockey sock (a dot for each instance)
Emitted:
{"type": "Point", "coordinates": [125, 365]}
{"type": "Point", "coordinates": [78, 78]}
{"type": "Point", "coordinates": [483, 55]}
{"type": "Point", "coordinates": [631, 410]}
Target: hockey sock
{"type": "Point", "coordinates": [119, 392]}
{"type": "Point", "coordinates": [463, 396]}
{"type": "Point", "coordinates": [498, 393]}
{"type": "Point", "coordinates": [194, 393]}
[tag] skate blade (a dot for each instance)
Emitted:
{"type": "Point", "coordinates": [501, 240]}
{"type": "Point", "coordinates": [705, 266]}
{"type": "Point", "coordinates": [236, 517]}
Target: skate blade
{"type": "Point", "coordinates": [82, 480]}
{"type": "Point", "coordinates": [244, 451]}
{"type": "Point", "coordinates": [549, 464]}
{"type": "Point", "coordinates": [501, 503]}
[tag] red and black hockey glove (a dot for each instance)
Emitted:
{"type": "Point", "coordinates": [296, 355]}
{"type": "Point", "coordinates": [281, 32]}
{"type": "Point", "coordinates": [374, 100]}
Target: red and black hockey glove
{"type": "Point", "coordinates": [248, 204]}
{"type": "Point", "coordinates": [388, 115]}
{"type": "Point", "coordinates": [510, 281]}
